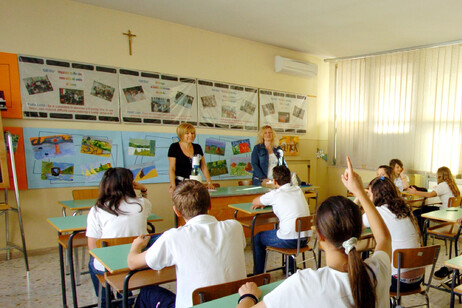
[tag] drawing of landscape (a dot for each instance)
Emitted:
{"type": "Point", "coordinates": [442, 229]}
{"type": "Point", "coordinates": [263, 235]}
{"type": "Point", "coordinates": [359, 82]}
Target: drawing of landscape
{"type": "Point", "coordinates": [141, 147]}
{"type": "Point", "coordinates": [52, 146]}
{"type": "Point", "coordinates": [96, 146]}
{"type": "Point", "coordinates": [143, 171]}
{"type": "Point", "coordinates": [240, 166]}
{"type": "Point", "coordinates": [58, 172]}
{"type": "Point", "coordinates": [215, 147]}
{"type": "Point", "coordinates": [217, 167]}
{"type": "Point", "coordinates": [93, 172]}
{"type": "Point", "coordinates": [240, 146]}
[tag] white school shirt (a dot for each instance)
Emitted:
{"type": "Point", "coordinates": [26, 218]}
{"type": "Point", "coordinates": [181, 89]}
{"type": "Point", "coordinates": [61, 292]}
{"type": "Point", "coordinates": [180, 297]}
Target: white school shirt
{"type": "Point", "coordinates": [403, 233]}
{"type": "Point", "coordinates": [204, 251]}
{"type": "Point", "coordinates": [288, 204]}
{"type": "Point", "coordinates": [272, 162]}
{"type": "Point", "coordinates": [444, 193]}
{"type": "Point", "coordinates": [399, 182]}
{"type": "Point", "coordinates": [327, 287]}
{"type": "Point", "coordinates": [133, 222]}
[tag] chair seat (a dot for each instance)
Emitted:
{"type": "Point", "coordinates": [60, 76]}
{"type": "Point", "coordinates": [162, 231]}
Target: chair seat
{"type": "Point", "coordinates": [79, 240]}
{"type": "Point", "coordinates": [458, 289]}
{"type": "Point", "coordinates": [416, 291]}
{"type": "Point", "coordinates": [246, 221]}
{"type": "Point", "coordinates": [289, 251]}
{"type": "Point", "coordinates": [444, 229]}
{"type": "Point", "coordinates": [4, 207]}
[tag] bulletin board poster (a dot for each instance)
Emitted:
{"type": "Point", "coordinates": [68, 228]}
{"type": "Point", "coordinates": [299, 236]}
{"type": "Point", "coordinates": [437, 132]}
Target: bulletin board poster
{"type": "Point", "coordinates": [17, 139]}
{"type": "Point", "coordinates": [289, 145]}
{"type": "Point", "coordinates": [285, 112]}
{"type": "Point", "coordinates": [63, 90]}
{"type": "Point", "coordinates": [154, 98]}
{"type": "Point", "coordinates": [146, 155]}
{"type": "Point", "coordinates": [223, 105]}
{"type": "Point", "coordinates": [66, 158]}
{"type": "Point", "coordinates": [227, 157]}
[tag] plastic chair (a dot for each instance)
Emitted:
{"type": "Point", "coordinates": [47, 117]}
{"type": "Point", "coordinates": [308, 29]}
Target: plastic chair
{"type": "Point", "coordinates": [412, 258]}
{"type": "Point", "coordinates": [205, 294]}
{"type": "Point", "coordinates": [301, 224]}
{"type": "Point", "coordinates": [448, 230]}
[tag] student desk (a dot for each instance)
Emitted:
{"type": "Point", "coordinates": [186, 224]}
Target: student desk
{"type": "Point", "coordinates": [231, 300]}
{"type": "Point", "coordinates": [456, 265]}
{"type": "Point", "coordinates": [118, 275]}
{"type": "Point", "coordinates": [76, 205]}
{"type": "Point", "coordinates": [257, 217]}
{"type": "Point", "coordinates": [445, 215]}
{"type": "Point", "coordinates": [76, 225]}
{"type": "Point", "coordinates": [414, 201]}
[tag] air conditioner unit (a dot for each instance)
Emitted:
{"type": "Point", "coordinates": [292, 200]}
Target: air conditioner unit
{"type": "Point", "coordinates": [294, 67]}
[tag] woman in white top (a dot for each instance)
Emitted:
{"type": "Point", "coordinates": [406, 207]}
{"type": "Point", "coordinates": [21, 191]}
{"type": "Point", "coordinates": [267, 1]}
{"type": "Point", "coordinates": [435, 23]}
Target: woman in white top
{"type": "Point", "coordinates": [118, 212]}
{"type": "Point", "coordinates": [347, 280]}
{"type": "Point", "coordinates": [402, 226]}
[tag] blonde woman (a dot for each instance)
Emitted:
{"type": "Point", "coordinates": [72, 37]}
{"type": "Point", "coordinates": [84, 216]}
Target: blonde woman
{"type": "Point", "coordinates": [180, 156]}
{"type": "Point", "coordinates": [265, 156]}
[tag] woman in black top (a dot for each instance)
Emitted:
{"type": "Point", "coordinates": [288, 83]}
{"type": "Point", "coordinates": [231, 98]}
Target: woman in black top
{"type": "Point", "coordinates": [180, 156]}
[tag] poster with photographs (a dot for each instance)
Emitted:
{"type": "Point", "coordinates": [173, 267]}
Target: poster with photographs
{"type": "Point", "coordinates": [285, 112]}
{"type": "Point", "coordinates": [223, 105]}
{"type": "Point", "coordinates": [58, 89]}
{"type": "Point", "coordinates": [153, 98]}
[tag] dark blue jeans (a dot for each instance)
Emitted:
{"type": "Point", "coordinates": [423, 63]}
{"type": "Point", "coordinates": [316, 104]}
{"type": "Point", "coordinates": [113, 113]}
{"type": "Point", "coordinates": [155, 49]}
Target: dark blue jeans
{"type": "Point", "coordinates": [155, 297]}
{"type": "Point", "coordinates": [269, 238]}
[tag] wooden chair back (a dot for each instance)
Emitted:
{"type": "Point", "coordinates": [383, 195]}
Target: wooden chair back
{"type": "Point", "coordinates": [205, 294]}
{"type": "Point", "coordinates": [87, 193]}
{"type": "Point", "coordinates": [244, 183]}
{"type": "Point", "coordinates": [106, 242]}
{"type": "Point", "coordinates": [454, 201]}
{"type": "Point", "coordinates": [304, 223]}
{"type": "Point", "coordinates": [415, 257]}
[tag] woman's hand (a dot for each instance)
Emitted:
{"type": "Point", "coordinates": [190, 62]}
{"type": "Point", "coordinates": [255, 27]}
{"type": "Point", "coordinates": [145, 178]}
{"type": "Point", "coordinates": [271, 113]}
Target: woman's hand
{"type": "Point", "coordinates": [210, 185]}
{"type": "Point", "coordinates": [250, 288]}
{"type": "Point", "coordinates": [412, 190]}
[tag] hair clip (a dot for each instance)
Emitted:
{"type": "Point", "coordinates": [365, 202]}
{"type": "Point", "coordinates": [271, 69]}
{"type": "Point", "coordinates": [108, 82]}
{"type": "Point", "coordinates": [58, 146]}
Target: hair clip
{"type": "Point", "coordinates": [382, 178]}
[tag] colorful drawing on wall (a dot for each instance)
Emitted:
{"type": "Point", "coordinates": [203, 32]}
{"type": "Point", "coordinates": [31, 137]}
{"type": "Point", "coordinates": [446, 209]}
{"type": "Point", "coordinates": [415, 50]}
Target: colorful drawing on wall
{"type": "Point", "coordinates": [216, 147]}
{"type": "Point", "coordinates": [144, 171]}
{"type": "Point", "coordinates": [141, 147]}
{"type": "Point", "coordinates": [240, 146]}
{"type": "Point", "coordinates": [96, 146]}
{"type": "Point", "coordinates": [102, 91]}
{"type": "Point", "coordinates": [57, 171]}
{"type": "Point", "coordinates": [37, 85]}
{"type": "Point", "coordinates": [217, 167]}
{"type": "Point", "coordinates": [134, 94]}
{"type": "Point", "coordinates": [289, 144]}
{"type": "Point", "coordinates": [52, 146]}
{"type": "Point", "coordinates": [93, 172]}
{"type": "Point", "coordinates": [240, 166]}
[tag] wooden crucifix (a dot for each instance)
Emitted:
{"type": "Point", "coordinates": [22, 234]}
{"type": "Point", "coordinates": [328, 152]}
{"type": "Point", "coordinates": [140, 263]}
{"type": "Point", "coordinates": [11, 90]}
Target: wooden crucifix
{"type": "Point", "coordinates": [130, 37]}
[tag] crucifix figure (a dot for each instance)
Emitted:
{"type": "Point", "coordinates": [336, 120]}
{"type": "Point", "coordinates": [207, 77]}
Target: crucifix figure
{"type": "Point", "coordinates": [130, 37]}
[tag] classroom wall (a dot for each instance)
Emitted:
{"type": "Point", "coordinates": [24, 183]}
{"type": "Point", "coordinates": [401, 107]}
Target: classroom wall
{"type": "Point", "coordinates": [68, 30]}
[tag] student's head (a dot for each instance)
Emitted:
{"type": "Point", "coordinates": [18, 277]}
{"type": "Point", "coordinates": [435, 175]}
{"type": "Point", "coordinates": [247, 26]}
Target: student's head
{"type": "Point", "coordinates": [444, 175]}
{"type": "Point", "coordinates": [397, 166]}
{"type": "Point", "coordinates": [386, 171]}
{"type": "Point", "coordinates": [281, 174]}
{"type": "Point", "coordinates": [186, 130]}
{"type": "Point", "coordinates": [267, 133]}
{"type": "Point", "coordinates": [383, 191]}
{"type": "Point", "coordinates": [338, 220]}
{"type": "Point", "coordinates": [191, 198]}
{"type": "Point", "coordinates": [116, 185]}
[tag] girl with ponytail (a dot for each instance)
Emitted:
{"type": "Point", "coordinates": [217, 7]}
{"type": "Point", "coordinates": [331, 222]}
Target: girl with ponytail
{"type": "Point", "coordinates": [347, 280]}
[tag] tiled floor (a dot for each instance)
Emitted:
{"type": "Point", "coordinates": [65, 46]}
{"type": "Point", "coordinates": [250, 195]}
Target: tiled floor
{"type": "Point", "coordinates": [42, 287]}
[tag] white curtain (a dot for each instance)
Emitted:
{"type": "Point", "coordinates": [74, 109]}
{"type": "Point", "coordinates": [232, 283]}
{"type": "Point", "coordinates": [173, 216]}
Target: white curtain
{"type": "Point", "coordinates": [403, 105]}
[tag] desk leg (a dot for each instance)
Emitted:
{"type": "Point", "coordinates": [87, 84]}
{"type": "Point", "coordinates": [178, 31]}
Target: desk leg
{"type": "Point", "coordinates": [455, 274]}
{"type": "Point", "coordinates": [108, 296]}
{"type": "Point", "coordinates": [71, 268]}
{"type": "Point", "coordinates": [63, 274]}
{"type": "Point", "coordinates": [425, 235]}
{"type": "Point", "coordinates": [125, 290]}
{"type": "Point", "coordinates": [252, 230]}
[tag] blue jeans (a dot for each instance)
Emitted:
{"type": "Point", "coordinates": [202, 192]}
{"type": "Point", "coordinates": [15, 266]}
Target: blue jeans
{"type": "Point", "coordinates": [269, 238]}
{"type": "Point", "coordinates": [155, 297]}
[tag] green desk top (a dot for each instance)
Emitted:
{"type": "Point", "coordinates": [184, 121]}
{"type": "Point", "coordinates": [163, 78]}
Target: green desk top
{"type": "Point", "coordinates": [114, 258]}
{"type": "Point", "coordinates": [231, 300]}
{"type": "Point", "coordinates": [238, 191]}
{"type": "Point", "coordinates": [245, 207]}
{"type": "Point", "coordinates": [79, 222]}
{"type": "Point", "coordinates": [449, 215]}
{"type": "Point", "coordinates": [84, 204]}
{"type": "Point", "coordinates": [454, 262]}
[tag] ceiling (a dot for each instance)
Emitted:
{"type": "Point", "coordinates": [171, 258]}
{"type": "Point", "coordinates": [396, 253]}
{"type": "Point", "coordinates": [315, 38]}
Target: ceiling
{"type": "Point", "coordinates": [326, 28]}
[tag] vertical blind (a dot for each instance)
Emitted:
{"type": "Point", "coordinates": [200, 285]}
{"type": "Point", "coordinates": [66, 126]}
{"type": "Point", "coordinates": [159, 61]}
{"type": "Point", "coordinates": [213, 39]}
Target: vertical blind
{"type": "Point", "coordinates": [403, 105]}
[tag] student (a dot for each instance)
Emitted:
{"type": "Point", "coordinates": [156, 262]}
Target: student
{"type": "Point", "coordinates": [402, 226]}
{"type": "Point", "coordinates": [288, 204]}
{"type": "Point", "coordinates": [204, 251]}
{"type": "Point", "coordinates": [400, 179]}
{"type": "Point", "coordinates": [118, 212]}
{"type": "Point", "coordinates": [386, 171]}
{"type": "Point", "coordinates": [347, 280]}
{"type": "Point", "coordinates": [446, 188]}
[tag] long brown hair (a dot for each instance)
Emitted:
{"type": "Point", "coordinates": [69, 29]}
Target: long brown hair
{"type": "Point", "coordinates": [444, 175]}
{"type": "Point", "coordinates": [384, 192]}
{"type": "Point", "coordinates": [338, 219]}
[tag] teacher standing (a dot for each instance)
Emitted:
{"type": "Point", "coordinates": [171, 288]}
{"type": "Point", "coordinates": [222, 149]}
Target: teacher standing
{"type": "Point", "coordinates": [180, 156]}
{"type": "Point", "coordinates": [265, 156]}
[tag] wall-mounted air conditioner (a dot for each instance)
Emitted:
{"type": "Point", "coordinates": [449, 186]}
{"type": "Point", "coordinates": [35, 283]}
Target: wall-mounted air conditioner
{"type": "Point", "coordinates": [294, 67]}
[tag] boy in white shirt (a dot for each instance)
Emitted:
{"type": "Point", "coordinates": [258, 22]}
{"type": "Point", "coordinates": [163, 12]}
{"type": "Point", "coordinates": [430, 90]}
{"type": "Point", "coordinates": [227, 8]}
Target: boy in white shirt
{"type": "Point", "coordinates": [288, 204]}
{"type": "Point", "coordinates": [204, 251]}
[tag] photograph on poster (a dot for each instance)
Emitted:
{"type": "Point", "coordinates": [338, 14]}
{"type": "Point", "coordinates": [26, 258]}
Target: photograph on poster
{"type": "Point", "coordinates": [181, 99]}
{"type": "Point", "coordinates": [160, 104]}
{"type": "Point", "coordinates": [209, 101]}
{"type": "Point", "coordinates": [268, 109]}
{"type": "Point", "coordinates": [240, 146]}
{"type": "Point", "coordinates": [37, 85]}
{"type": "Point", "coordinates": [283, 117]}
{"type": "Point", "coordinates": [228, 112]}
{"type": "Point", "coordinates": [217, 167]}
{"type": "Point", "coordinates": [52, 146]}
{"type": "Point", "coordinates": [93, 171]}
{"type": "Point", "coordinates": [96, 146]}
{"type": "Point", "coordinates": [240, 166]}
{"type": "Point", "coordinates": [144, 171]}
{"type": "Point", "coordinates": [298, 112]}
{"type": "Point", "coordinates": [216, 147]}
{"type": "Point", "coordinates": [71, 96]}
{"type": "Point", "coordinates": [134, 94]}
{"type": "Point", "coordinates": [141, 147]}
{"type": "Point", "coordinates": [248, 107]}
{"type": "Point", "coordinates": [57, 171]}
{"type": "Point", "coordinates": [102, 91]}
